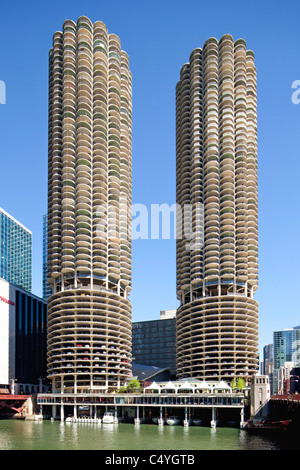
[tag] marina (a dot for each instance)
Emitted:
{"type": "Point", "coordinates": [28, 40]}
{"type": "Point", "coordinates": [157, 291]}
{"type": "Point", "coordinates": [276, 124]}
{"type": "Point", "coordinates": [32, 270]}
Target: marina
{"type": "Point", "coordinates": [172, 403]}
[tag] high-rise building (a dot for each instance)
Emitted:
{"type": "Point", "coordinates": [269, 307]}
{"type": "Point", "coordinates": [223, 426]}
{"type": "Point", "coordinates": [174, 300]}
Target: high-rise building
{"type": "Point", "coordinates": [165, 314]}
{"type": "Point", "coordinates": [267, 364]}
{"type": "Point", "coordinates": [286, 349]}
{"type": "Point", "coordinates": [89, 216]}
{"type": "Point", "coordinates": [23, 323]}
{"type": "Point", "coordinates": [217, 237]}
{"type": "Point", "coordinates": [154, 341]}
{"type": "Point", "coordinates": [15, 251]}
{"type": "Point", "coordinates": [46, 287]}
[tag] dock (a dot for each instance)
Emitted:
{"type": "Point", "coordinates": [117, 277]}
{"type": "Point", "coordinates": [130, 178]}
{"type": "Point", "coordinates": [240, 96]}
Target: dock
{"type": "Point", "coordinates": [142, 407]}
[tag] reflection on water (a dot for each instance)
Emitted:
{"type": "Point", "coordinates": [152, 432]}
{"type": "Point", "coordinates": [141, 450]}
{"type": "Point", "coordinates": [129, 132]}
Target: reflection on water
{"type": "Point", "coordinates": [19, 435]}
{"type": "Point", "coordinates": [5, 441]}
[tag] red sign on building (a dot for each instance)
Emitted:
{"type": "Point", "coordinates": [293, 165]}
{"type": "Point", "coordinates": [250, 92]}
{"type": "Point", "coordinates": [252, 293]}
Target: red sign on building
{"type": "Point", "coordinates": [3, 299]}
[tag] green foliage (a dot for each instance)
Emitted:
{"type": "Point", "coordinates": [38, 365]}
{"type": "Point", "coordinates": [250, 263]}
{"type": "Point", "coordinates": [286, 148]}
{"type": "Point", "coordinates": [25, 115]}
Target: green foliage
{"type": "Point", "coordinates": [238, 384]}
{"type": "Point", "coordinates": [133, 387]}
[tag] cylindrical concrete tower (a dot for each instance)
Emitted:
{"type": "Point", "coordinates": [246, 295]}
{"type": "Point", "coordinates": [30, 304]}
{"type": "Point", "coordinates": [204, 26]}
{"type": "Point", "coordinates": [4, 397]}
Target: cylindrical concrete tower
{"type": "Point", "coordinates": [217, 254]}
{"type": "Point", "coordinates": [89, 209]}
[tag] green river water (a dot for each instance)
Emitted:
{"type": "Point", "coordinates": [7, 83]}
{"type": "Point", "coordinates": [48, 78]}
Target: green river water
{"type": "Point", "coordinates": [47, 435]}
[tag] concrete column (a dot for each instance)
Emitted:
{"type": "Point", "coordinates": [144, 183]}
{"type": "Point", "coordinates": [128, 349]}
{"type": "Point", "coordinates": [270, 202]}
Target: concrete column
{"type": "Point", "coordinates": [53, 411]}
{"type": "Point", "coordinates": [62, 415]}
{"type": "Point", "coordinates": [116, 415]}
{"type": "Point", "coordinates": [186, 421]}
{"type": "Point", "coordinates": [242, 418]}
{"type": "Point", "coordinates": [75, 411]}
{"type": "Point", "coordinates": [213, 418]}
{"type": "Point", "coordinates": [53, 385]}
{"type": "Point", "coordinates": [137, 419]}
{"type": "Point", "coordinates": [160, 421]}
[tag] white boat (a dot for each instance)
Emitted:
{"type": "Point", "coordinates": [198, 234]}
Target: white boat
{"type": "Point", "coordinates": [173, 420]}
{"type": "Point", "coordinates": [109, 418]}
{"type": "Point", "coordinates": [38, 417]}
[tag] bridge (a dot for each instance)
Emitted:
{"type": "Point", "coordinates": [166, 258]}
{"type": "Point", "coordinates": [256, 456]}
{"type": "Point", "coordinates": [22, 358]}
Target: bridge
{"type": "Point", "coordinates": [286, 407]}
{"type": "Point", "coordinates": [11, 404]}
{"type": "Point", "coordinates": [292, 399]}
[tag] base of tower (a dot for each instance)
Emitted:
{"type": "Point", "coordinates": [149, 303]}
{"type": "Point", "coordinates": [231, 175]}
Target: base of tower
{"type": "Point", "coordinates": [217, 338]}
{"type": "Point", "coordinates": [89, 341]}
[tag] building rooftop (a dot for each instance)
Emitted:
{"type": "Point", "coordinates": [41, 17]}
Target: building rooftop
{"type": "Point", "coordinates": [144, 372]}
{"type": "Point", "coordinates": [15, 220]}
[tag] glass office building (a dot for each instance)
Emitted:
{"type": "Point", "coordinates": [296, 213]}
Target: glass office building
{"type": "Point", "coordinates": [15, 251]}
{"type": "Point", "coordinates": [267, 364]}
{"type": "Point", "coordinates": [154, 343]}
{"type": "Point", "coordinates": [23, 325]}
{"type": "Point", "coordinates": [286, 348]}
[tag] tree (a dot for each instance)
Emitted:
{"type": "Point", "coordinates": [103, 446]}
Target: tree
{"type": "Point", "coordinates": [133, 386]}
{"type": "Point", "coordinates": [240, 384]}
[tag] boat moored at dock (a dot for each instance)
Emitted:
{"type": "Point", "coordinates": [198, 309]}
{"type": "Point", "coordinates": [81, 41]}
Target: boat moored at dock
{"type": "Point", "coordinates": [173, 421]}
{"type": "Point", "coordinates": [109, 418]}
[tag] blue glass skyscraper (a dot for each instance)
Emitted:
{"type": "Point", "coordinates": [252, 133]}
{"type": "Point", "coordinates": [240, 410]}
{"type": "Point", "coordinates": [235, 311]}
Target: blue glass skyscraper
{"type": "Point", "coordinates": [286, 348]}
{"type": "Point", "coordinates": [15, 251]}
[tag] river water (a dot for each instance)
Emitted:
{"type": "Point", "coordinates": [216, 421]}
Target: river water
{"type": "Point", "coordinates": [47, 435]}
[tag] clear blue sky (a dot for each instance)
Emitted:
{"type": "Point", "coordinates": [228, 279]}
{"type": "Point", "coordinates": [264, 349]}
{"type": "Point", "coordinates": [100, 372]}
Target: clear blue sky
{"type": "Point", "coordinates": [159, 37]}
